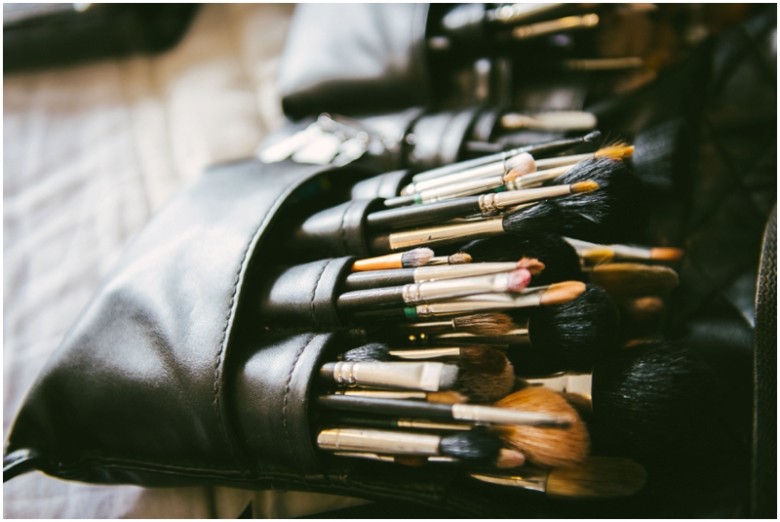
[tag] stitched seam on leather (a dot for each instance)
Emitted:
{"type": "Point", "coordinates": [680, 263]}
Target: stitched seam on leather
{"type": "Point", "coordinates": [285, 402]}
{"type": "Point", "coordinates": [341, 228]}
{"type": "Point", "coordinates": [314, 294]}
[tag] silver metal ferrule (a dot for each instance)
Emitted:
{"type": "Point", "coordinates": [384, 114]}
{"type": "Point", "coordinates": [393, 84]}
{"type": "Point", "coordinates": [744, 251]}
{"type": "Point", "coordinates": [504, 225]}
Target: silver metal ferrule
{"type": "Point", "coordinates": [420, 293]}
{"type": "Point", "coordinates": [444, 272]}
{"type": "Point", "coordinates": [460, 189]}
{"type": "Point", "coordinates": [425, 376]}
{"type": "Point", "coordinates": [378, 441]}
{"type": "Point", "coordinates": [496, 415]}
{"type": "Point", "coordinates": [445, 234]}
{"type": "Point", "coordinates": [530, 479]}
{"type": "Point", "coordinates": [536, 178]}
{"type": "Point", "coordinates": [496, 168]}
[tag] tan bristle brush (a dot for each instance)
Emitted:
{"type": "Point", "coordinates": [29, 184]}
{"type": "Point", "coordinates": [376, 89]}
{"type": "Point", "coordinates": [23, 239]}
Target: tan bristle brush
{"type": "Point", "coordinates": [594, 477]}
{"type": "Point", "coordinates": [413, 258]}
{"type": "Point", "coordinates": [545, 446]}
{"type": "Point", "coordinates": [628, 280]}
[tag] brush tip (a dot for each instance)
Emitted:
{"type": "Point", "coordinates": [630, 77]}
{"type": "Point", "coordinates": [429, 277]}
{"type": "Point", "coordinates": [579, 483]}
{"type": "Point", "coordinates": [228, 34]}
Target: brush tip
{"type": "Point", "coordinates": [617, 151]}
{"type": "Point", "coordinates": [417, 257]}
{"type": "Point", "coordinates": [459, 258]}
{"type": "Point", "coordinates": [597, 477]}
{"type": "Point", "coordinates": [597, 255]}
{"type": "Point", "coordinates": [531, 264]}
{"type": "Point", "coordinates": [562, 293]}
{"type": "Point", "coordinates": [521, 164]}
{"type": "Point", "coordinates": [584, 186]}
{"type": "Point", "coordinates": [484, 324]}
{"type": "Point", "coordinates": [592, 136]}
{"type": "Point", "coordinates": [666, 254]}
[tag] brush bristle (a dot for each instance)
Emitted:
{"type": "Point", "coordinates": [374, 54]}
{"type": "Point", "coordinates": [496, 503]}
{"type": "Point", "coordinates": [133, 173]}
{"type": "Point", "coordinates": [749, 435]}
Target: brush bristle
{"type": "Point", "coordinates": [533, 265]}
{"type": "Point", "coordinates": [476, 446]}
{"type": "Point", "coordinates": [510, 458]}
{"type": "Point", "coordinates": [667, 254]}
{"type": "Point", "coordinates": [447, 397]}
{"type": "Point", "coordinates": [597, 477]}
{"type": "Point", "coordinates": [484, 324]}
{"type": "Point", "coordinates": [522, 164]}
{"type": "Point", "coordinates": [562, 293]}
{"type": "Point", "coordinates": [575, 335]}
{"type": "Point", "coordinates": [626, 280]}
{"type": "Point", "coordinates": [512, 175]}
{"type": "Point", "coordinates": [485, 374]}
{"type": "Point", "coordinates": [518, 280]}
{"type": "Point", "coordinates": [417, 257]}
{"type": "Point", "coordinates": [560, 260]}
{"type": "Point", "coordinates": [368, 352]}
{"type": "Point", "coordinates": [548, 447]}
{"type": "Point", "coordinates": [459, 258]}
{"type": "Point", "coordinates": [616, 212]}
{"type": "Point", "coordinates": [657, 401]}
{"type": "Point", "coordinates": [618, 151]}
{"type": "Point", "coordinates": [584, 186]}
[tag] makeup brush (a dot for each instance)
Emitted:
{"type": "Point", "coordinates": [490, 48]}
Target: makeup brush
{"type": "Point", "coordinates": [473, 184]}
{"type": "Point", "coordinates": [658, 400]}
{"type": "Point", "coordinates": [481, 376]}
{"type": "Point", "coordinates": [592, 253]}
{"type": "Point", "coordinates": [534, 172]}
{"type": "Point", "coordinates": [458, 258]}
{"type": "Point", "coordinates": [431, 291]}
{"type": "Point", "coordinates": [549, 121]}
{"type": "Point", "coordinates": [594, 477]}
{"type": "Point", "coordinates": [569, 337]}
{"type": "Point", "coordinates": [412, 258]}
{"type": "Point", "coordinates": [551, 295]}
{"type": "Point", "coordinates": [484, 205]}
{"type": "Point", "coordinates": [477, 446]}
{"type": "Point", "coordinates": [560, 260]}
{"type": "Point", "coordinates": [404, 276]}
{"type": "Point", "coordinates": [380, 422]}
{"type": "Point", "coordinates": [488, 324]}
{"type": "Point", "coordinates": [538, 150]}
{"type": "Point", "coordinates": [627, 280]}
{"type": "Point", "coordinates": [499, 415]}
{"type": "Point", "coordinates": [612, 212]}
{"type": "Point", "coordinates": [544, 446]}
{"type": "Point", "coordinates": [443, 397]}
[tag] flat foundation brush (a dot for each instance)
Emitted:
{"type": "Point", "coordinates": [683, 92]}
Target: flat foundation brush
{"type": "Point", "coordinates": [595, 477]}
{"type": "Point", "coordinates": [593, 254]}
{"type": "Point", "coordinates": [551, 295]}
{"type": "Point", "coordinates": [538, 150]}
{"type": "Point", "coordinates": [484, 205]}
{"type": "Point", "coordinates": [431, 291]}
{"type": "Point", "coordinates": [479, 414]}
{"type": "Point", "coordinates": [412, 258]}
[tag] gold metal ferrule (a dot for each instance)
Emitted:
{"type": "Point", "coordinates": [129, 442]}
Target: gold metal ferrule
{"type": "Point", "coordinates": [430, 291]}
{"type": "Point", "coordinates": [378, 441]}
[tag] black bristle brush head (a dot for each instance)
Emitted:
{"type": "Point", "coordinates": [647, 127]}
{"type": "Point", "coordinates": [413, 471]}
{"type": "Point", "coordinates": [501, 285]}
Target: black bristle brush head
{"type": "Point", "coordinates": [614, 213]}
{"type": "Point", "coordinates": [477, 446]}
{"type": "Point", "coordinates": [368, 352]}
{"type": "Point", "coordinates": [561, 262]}
{"type": "Point", "coordinates": [659, 403]}
{"type": "Point", "coordinates": [576, 335]}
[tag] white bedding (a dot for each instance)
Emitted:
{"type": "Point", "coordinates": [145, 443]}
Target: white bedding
{"type": "Point", "coordinates": [90, 152]}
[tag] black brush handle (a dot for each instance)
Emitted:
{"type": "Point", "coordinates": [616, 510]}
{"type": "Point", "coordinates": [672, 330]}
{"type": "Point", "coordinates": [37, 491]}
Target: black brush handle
{"type": "Point", "coordinates": [392, 407]}
{"type": "Point", "coordinates": [370, 299]}
{"type": "Point", "coordinates": [378, 279]}
{"type": "Point", "coordinates": [425, 214]}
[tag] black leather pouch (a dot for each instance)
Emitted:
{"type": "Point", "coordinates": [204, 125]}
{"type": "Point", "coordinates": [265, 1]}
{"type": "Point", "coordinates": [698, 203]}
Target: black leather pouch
{"type": "Point", "coordinates": [359, 58]}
